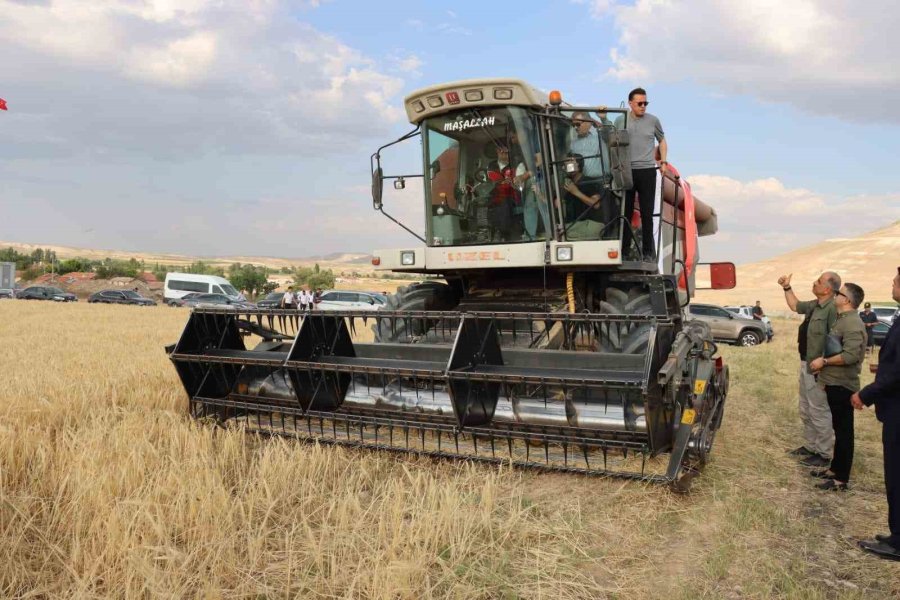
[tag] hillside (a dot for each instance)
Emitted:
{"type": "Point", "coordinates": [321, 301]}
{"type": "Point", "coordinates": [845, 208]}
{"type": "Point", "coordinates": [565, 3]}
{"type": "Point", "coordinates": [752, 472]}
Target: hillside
{"type": "Point", "coordinates": [870, 260]}
{"type": "Point", "coordinates": [337, 260]}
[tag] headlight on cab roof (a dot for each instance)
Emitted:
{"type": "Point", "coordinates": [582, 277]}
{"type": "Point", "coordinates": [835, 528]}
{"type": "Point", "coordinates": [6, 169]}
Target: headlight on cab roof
{"type": "Point", "coordinates": [563, 253]}
{"type": "Point", "coordinates": [407, 258]}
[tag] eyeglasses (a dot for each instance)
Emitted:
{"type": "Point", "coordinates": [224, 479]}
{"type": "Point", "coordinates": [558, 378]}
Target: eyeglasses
{"type": "Point", "coordinates": [577, 122]}
{"type": "Point", "coordinates": [642, 104]}
{"type": "Point", "coordinates": [840, 293]}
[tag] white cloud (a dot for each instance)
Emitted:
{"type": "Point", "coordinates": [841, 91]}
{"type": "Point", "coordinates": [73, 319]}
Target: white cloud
{"type": "Point", "coordinates": [764, 217]}
{"type": "Point", "coordinates": [828, 56]}
{"type": "Point", "coordinates": [167, 77]}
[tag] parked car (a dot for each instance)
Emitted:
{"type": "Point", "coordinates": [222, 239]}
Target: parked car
{"type": "Point", "coordinates": [120, 297]}
{"type": "Point", "coordinates": [886, 314]}
{"type": "Point", "coordinates": [7, 293]}
{"type": "Point", "coordinates": [272, 300]}
{"type": "Point", "coordinates": [179, 285]}
{"type": "Point", "coordinates": [46, 292]}
{"type": "Point", "coordinates": [879, 333]}
{"type": "Point", "coordinates": [217, 301]}
{"type": "Point", "coordinates": [346, 300]}
{"type": "Point", "coordinates": [746, 311]}
{"type": "Point", "coordinates": [181, 301]}
{"type": "Point", "coordinates": [727, 326]}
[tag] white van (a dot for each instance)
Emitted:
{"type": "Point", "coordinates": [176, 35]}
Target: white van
{"type": "Point", "coordinates": [181, 284]}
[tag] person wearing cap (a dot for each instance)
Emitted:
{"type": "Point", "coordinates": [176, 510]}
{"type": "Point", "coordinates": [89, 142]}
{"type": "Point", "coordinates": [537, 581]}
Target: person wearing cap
{"type": "Point", "coordinates": [884, 393]}
{"type": "Point", "coordinates": [582, 201]}
{"type": "Point", "coordinates": [869, 319]}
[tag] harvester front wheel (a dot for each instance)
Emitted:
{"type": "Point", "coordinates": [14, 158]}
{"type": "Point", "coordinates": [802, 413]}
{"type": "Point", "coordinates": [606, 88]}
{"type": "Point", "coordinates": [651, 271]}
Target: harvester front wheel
{"type": "Point", "coordinates": [424, 296]}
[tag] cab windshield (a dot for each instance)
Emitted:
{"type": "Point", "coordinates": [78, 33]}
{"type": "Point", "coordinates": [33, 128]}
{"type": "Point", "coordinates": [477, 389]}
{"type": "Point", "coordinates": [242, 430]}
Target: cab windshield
{"type": "Point", "coordinates": [485, 182]}
{"type": "Point", "coordinates": [589, 208]}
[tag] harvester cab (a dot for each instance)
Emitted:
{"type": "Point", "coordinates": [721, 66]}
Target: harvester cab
{"type": "Point", "coordinates": [539, 336]}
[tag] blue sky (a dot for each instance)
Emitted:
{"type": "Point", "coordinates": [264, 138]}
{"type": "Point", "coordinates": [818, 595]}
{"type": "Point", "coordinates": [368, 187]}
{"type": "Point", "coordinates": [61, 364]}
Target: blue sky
{"type": "Point", "coordinates": [216, 128]}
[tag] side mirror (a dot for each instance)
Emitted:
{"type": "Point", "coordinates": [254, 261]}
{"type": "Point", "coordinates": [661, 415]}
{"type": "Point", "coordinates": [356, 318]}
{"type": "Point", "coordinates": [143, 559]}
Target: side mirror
{"type": "Point", "coordinates": [715, 276]}
{"type": "Point", "coordinates": [377, 188]}
{"type": "Point", "coordinates": [620, 159]}
{"type": "Point", "coordinates": [435, 168]}
{"type": "Point", "coordinates": [371, 301]}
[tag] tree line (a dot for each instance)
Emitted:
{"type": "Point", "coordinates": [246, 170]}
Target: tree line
{"type": "Point", "coordinates": [251, 279]}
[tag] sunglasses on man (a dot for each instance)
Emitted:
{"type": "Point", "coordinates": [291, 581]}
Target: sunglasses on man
{"type": "Point", "coordinates": [642, 104]}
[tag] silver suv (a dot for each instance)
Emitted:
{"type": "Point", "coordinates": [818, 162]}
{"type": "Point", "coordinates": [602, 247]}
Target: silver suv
{"type": "Point", "coordinates": [886, 314]}
{"type": "Point", "coordinates": [728, 327]}
{"type": "Point", "coordinates": [348, 300]}
{"type": "Point", "coordinates": [746, 311]}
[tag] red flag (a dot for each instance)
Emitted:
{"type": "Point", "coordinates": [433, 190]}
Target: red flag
{"type": "Point", "coordinates": [3, 104]}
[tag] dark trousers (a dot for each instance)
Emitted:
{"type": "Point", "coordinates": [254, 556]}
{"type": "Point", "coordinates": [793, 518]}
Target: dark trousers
{"type": "Point", "coordinates": [645, 186]}
{"type": "Point", "coordinates": [842, 422]}
{"type": "Point", "coordinates": [890, 441]}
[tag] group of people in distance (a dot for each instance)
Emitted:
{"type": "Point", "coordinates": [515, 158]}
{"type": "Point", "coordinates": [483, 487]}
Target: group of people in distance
{"type": "Point", "coordinates": [304, 300]}
{"type": "Point", "coordinates": [832, 342]}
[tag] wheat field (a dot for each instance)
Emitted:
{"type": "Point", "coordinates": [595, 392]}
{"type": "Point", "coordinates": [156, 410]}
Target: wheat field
{"type": "Point", "coordinates": [108, 489]}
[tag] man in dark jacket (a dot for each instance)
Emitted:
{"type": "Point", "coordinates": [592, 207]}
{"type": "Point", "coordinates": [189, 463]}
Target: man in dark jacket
{"type": "Point", "coordinates": [884, 393]}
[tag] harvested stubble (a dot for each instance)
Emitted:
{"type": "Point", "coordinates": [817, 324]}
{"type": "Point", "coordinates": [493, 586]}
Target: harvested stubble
{"type": "Point", "coordinates": [108, 489]}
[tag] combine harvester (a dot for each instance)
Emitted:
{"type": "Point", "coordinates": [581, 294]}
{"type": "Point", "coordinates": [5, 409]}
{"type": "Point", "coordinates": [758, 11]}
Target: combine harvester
{"type": "Point", "coordinates": [540, 337]}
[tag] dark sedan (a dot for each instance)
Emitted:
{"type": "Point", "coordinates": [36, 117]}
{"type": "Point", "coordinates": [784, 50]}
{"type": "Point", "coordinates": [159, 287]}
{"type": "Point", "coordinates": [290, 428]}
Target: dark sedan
{"type": "Point", "coordinates": [272, 300]}
{"type": "Point", "coordinates": [183, 301]}
{"type": "Point", "coordinates": [879, 332]}
{"type": "Point", "coordinates": [216, 301]}
{"type": "Point", "coordinates": [120, 297]}
{"type": "Point", "coordinates": [46, 292]}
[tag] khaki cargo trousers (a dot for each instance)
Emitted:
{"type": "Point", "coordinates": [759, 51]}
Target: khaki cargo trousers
{"type": "Point", "coordinates": [815, 415]}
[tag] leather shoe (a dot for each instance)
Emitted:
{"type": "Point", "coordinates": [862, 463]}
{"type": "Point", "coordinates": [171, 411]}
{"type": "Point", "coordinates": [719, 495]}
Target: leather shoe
{"type": "Point", "coordinates": [816, 460]}
{"type": "Point", "coordinates": [833, 485]}
{"type": "Point", "coordinates": [886, 538]}
{"type": "Point", "coordinates": [880, 549]}
{"type": "Point", "coordinates": [822, 473]}
{"type": "Point", "coordinates": [802, 451]}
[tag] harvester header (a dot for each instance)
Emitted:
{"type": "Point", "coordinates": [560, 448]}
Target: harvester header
{"type": "Point", "coordinates": [540, 334]}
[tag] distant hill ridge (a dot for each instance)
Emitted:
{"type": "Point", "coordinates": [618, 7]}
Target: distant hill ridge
{"type": "Point", "coordinates": [870, 260]}
{"type": "Point", "coordinates": [335, 259]}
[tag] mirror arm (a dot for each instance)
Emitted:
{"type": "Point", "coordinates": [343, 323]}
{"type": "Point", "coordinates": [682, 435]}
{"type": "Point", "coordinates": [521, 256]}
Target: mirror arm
{"type": "Point", "coordinates": [381, 210]}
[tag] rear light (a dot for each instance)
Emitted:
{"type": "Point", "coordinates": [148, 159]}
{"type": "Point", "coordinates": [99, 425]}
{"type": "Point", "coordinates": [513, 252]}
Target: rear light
{"type": "Point", "coordinates": [613, 254]}
{"type": "Point", "coordinates": [376, 260]}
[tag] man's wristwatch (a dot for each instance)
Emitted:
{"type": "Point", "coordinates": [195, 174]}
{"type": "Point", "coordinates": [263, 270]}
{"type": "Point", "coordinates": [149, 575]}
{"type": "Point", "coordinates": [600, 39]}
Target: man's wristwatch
{"type": "Point", "coordinates": [787, 289]}
{"type": "Point", "coordinates": [824, 361]}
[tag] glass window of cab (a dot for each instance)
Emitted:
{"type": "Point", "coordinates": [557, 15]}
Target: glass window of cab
{"type": "Point", "coordinates": [484, 182]}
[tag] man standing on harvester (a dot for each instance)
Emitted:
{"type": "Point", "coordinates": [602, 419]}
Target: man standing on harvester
{"type": "Point", "coordinates": [644, 131]}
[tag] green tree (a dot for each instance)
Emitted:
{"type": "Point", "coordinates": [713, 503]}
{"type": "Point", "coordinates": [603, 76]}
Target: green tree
{"type": "Point", "coordinates": [313, 278]}
{"type": "Point", "coordinates": [73, 265]}
{"type": "Point", "coordinates": [248, 278]}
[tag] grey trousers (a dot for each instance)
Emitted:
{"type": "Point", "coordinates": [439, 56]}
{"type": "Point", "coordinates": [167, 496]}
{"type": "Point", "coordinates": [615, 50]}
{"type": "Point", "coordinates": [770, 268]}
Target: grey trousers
{"type": "Point", "coordinates": [815, 414]}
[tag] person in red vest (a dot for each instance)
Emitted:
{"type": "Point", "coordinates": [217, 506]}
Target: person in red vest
{"type": "Point", "coordinates": [504, 198]}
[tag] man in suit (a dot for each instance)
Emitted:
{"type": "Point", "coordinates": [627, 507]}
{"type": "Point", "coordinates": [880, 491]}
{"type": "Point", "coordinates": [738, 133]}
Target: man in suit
{"type": "Point", "coordinates": [884, 393]}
